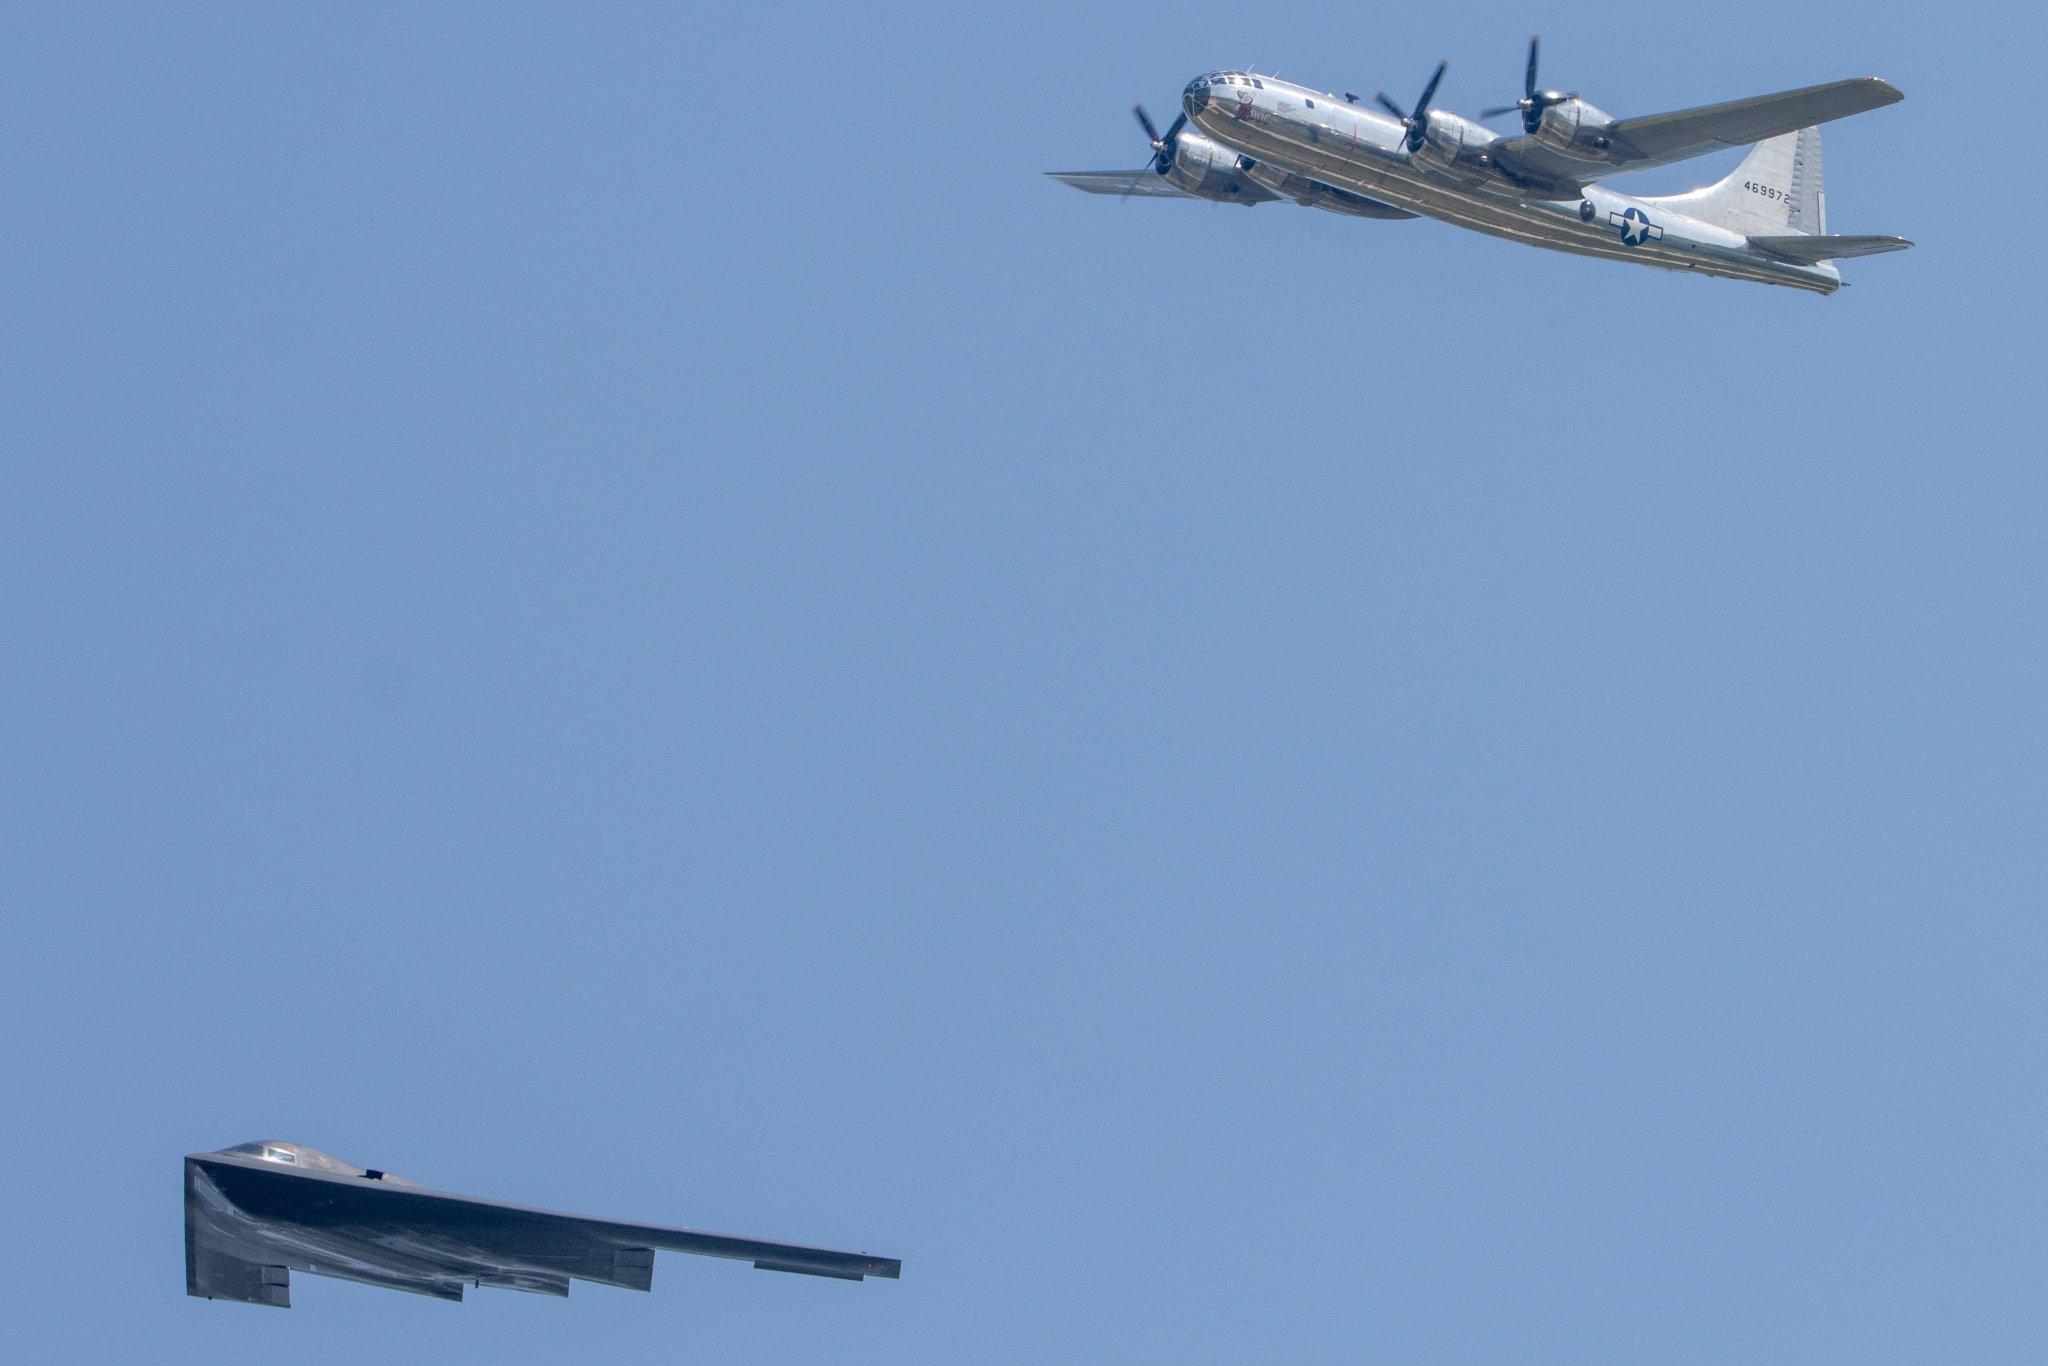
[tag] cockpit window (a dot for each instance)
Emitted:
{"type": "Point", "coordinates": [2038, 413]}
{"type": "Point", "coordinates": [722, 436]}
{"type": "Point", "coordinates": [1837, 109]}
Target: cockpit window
{"type": "Point", "coordinates": [280, 1155]}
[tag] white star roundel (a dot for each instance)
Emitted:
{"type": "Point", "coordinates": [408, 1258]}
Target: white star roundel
{"type": "Point", "coordinates": [1636, 227]}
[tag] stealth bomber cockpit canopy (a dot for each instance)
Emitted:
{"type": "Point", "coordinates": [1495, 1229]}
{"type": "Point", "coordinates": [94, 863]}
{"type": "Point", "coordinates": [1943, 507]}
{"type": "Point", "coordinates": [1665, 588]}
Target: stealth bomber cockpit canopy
{"type": "Point", "coordinates": [312, 1159]}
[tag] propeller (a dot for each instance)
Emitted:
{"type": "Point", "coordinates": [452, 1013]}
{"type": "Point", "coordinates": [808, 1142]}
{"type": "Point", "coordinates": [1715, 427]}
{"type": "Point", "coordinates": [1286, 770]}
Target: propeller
{"type": "Point", "coordinates": [1162, 147]}
{"type": "Point", "coordinates": [1533, 101]}
{"type": "Point", "coordinates": [1417, 123]}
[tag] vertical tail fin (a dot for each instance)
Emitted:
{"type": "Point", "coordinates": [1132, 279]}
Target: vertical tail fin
{"type": "Point", "coordinates": [1776, 191]}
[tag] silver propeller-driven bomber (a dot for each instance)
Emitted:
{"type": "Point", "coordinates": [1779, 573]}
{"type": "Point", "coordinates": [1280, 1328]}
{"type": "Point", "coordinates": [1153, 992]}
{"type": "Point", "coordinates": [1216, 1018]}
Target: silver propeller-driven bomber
{"type": "Point", "coordinates": [1243, 138]}
{"type": "Point", "coordinates": [257, 1212]}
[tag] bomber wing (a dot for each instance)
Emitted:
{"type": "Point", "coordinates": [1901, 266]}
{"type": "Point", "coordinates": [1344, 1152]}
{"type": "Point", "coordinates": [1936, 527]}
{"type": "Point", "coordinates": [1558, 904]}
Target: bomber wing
{"type": "Point", "coordinates": [1144, 183]}
{"type": "Point", "coordinates": [1660, 139]}
{"type": "Point", "coordinates": [250, 1221]}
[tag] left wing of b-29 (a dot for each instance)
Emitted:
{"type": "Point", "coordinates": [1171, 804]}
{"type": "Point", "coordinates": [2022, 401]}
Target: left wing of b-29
{"type": "Point", "coordinates": [1638, 144]}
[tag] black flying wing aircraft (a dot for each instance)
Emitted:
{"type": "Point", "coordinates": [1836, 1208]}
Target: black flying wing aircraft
{"type": "Point", "coordinates": [257, 1212]}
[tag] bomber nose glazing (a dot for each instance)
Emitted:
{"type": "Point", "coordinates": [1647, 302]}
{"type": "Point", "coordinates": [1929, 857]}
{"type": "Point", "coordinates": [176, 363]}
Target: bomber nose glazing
{"type": "Point", "coordinates": [1218, 86]}
{"type": "Point", "coordinates": [1195, 98]}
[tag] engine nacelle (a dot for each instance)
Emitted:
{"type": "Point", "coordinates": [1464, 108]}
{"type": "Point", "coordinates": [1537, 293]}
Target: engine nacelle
{"type": "Point", "coordinates": [1206, 169]}
{"type": "Point", "coordinates": [1457, 145]}
{"type": "Point", "coordinates": [1575, 129]}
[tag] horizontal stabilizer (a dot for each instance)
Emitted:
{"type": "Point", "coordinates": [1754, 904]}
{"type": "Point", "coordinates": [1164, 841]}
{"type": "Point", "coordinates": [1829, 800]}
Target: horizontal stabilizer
{"type": "Point", "coordinates": [1810, 250]}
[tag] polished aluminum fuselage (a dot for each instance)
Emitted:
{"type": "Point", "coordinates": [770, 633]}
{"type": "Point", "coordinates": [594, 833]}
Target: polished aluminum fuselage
{"type": "Point", "coordinates": [1327, 139]}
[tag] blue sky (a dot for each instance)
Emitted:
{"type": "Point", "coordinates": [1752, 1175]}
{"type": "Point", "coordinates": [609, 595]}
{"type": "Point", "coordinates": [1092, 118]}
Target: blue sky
{"type": "Point", "coordinates": [620, 606]}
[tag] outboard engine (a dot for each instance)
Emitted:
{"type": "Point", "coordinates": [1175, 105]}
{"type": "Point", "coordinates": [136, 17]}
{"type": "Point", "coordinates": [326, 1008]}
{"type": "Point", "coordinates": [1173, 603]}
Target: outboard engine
{"type": "Point", "coordinates": [1205, 169]}
{"type": "Point", "coordinates": [1194, 165]}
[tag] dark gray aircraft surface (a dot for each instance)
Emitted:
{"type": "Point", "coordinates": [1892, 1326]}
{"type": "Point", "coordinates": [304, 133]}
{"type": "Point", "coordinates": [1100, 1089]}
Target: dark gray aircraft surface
{"type": "Point", "coordinates": [257, 1212]}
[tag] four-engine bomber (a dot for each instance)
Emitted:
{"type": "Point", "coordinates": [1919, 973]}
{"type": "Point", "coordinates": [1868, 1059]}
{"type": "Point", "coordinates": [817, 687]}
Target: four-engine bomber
{"type": "Point", "coordinates": [1244, 138]}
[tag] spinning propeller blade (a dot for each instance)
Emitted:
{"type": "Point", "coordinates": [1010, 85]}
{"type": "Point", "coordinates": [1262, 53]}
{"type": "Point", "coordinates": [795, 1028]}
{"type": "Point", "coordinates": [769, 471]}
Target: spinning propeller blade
{"type": "Point", "coordinates": [1145, 122]}
{"type": "Point", "coordinates": [1162, 147]}
{"type": "Point", "coordinates": [1533, 101]}
{"type": "Point", "coordinates": [1429, 91]}
{"type": "Point", "coordinates": [1417, 123]}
